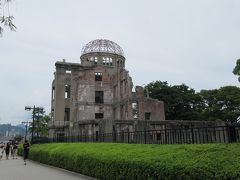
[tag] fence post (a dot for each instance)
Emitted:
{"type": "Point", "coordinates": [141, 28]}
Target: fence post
{"type": "Point", "coordinates": [114, 138]}
{"type": "Point", "coordinates": [165, 135]}
{"type": "Point", "coordinates": [122, 136]}
{"type": "Point", "coordinates": [232, 134]}
{"type": "Point", "coordinates": [97, 136]}
{"type": "Point", "coordinates": [145, 136]}
{"type": "Point", "coordinates": [103, 137]}
{"type": "Point", "coordinates": [192, 135]}
{"type": "Point", "coordinates": [128, 135]}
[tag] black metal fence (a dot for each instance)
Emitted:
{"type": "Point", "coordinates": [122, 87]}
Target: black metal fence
{"type": "Point", "coordinates": [198, 135]}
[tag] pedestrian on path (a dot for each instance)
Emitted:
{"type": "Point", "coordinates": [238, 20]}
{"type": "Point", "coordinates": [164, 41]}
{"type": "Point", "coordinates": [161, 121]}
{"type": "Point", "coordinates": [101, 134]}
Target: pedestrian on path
{"type": "Point", "coordinates": [11, 148]}
{"type": "Point", "coordinates": [14, 150]}
{"type": "Point", "coordinates": [7, 149]}
{"type": "Point", "coordinates": [1, 150]}
{"type": "Point", "coordinates": [26, 147]}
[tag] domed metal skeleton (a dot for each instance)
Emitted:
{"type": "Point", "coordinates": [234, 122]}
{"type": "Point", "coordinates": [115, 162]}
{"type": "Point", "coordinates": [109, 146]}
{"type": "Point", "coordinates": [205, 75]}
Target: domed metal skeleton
{"type": "Point", "coordinates": [102, 45]}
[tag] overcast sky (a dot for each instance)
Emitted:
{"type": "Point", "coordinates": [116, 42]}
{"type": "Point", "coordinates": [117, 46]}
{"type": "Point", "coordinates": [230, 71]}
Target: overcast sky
{"type": "Point", "coordinates": [178, 41]}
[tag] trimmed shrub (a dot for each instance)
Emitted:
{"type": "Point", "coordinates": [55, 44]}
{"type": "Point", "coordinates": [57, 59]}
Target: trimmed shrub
{"type": "Point", "coordinates": [139, 161]}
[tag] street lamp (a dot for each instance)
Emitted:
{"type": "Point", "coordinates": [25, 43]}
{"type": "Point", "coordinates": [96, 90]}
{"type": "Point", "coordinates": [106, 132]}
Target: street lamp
{"type": "Point", "coordinates": [26, 126]}
{"type": "Point", "coordinates": [34, 108]}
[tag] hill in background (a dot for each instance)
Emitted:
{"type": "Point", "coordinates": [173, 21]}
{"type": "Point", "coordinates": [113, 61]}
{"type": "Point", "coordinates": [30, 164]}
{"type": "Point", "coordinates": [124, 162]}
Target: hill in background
{"type": "Point", "coordinates": [10, 130]}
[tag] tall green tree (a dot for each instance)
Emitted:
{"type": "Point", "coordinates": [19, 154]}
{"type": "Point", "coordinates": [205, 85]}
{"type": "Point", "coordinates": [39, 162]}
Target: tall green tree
{"type": "Point", "coordinates": [187, 104]}
{"type": "Point", "coordinates": [180, 101]}
{"type": "Point", "coordinates": [183, 103]}
{"type": "Point", "coordinates": [221, 104]}
{"type": "Point", "coordinates": [40, 123]}
{"type": "Point", "coordinates": [6, 19]}
{"type": "Point", "coordinates": [42, 126]}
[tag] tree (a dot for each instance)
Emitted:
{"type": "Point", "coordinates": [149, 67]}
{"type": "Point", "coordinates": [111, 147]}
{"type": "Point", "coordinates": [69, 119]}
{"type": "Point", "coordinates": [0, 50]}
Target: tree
{"type": "Point", "coordinates": [40, 123]}
{"type": "Point", "coordinates": [6, 20]}
{"type": "Point", "coordinates": [210, 108]}
{"type": "Point", "coordinates": [187, 103]}
{"type": "Point", "coordinates": [18, 138]}
{"type": "Point", "coordinates": [180, 101]}
{"type": "Point", "coordinates": [236, 70]}
{"type": "Point", "coordinates": [42, 126]}
{"type": "Point", "coordinates": [221, 104]}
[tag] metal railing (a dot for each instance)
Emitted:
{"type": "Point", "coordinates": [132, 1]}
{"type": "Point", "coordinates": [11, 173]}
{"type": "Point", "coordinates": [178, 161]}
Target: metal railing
{"type": "Point", "coordinates": [198, 135]}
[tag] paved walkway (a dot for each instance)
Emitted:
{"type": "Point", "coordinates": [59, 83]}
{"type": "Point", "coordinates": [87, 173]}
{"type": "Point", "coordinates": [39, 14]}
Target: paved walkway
{"type": "Point", "coordinates": [16, 170]}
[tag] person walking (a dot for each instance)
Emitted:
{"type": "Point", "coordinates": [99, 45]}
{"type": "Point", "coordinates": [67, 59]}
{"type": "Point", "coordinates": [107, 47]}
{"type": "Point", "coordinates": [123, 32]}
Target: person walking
{"type": "Point", "coordinates": [26, 147]}
{"type": "Point", "coordinates": [7, 149]}
{"type": "Point", "coordinates": [1, 150]}
{"type": "Point", "coordinates": [14, 150]}
{"type": "Point", "coordinates": [11, 148]}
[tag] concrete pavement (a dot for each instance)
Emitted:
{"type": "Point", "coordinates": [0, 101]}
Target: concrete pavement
{"type": "Point", "coordinates": [16, 170]}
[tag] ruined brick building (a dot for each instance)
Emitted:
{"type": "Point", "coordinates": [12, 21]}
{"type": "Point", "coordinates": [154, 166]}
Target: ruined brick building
{"type": "Point", "coordinates": [95, 95]}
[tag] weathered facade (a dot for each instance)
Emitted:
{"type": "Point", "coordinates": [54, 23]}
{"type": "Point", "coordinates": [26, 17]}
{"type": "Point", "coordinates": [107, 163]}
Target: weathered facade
{"type": "Point", "coordinates": [95, 95]}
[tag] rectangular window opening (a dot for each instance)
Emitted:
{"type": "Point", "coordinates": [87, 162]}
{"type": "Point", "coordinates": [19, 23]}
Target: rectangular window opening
{"type": "Point", "coordinates": [53, 93]}
{"type": "Point", "coordinates": [111, 62]}
{"type": "Point", "coordinates": [104, 61]}
{"type": "Point", "coordinates": [107, 61]}
{"type": "Point", "coordinates": [67, 91]}
{"type": "Point", "coordinates": [95, 60]}
{"type": "Point", "coordinates": [147, 115]}
{"type": "Point", "coordinates": [67, 114]}
{"type": "Point", "coordinates": [98, 76]}
{"type": "Point", "coordinates": [98, 96]}
{"type": "Point", "coordinates": [135, 110]}
{"type": "Point", "coordinates": [98, 115]}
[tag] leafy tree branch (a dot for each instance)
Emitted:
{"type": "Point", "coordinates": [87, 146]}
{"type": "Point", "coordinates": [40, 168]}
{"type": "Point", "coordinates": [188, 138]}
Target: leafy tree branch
{"type": "Point", "coordinates": [6, 19]}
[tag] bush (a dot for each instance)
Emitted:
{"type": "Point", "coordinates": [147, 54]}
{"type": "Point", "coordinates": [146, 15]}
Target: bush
{"type": "Point", "coordinates": [20, 150]}
{"type": "Point", "coordinates": [139, 161]}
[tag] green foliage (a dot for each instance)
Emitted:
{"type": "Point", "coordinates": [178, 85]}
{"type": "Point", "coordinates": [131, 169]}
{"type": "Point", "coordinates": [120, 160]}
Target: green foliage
{"type": "Point", "coordinates": [18, 138]}
{"type": "Point", "coordinates": [139, 161]}
{"type": "Point", "coordinates": [40, 125]}
{"type": "Point", "coordinates": [222, 104]}
{"type": "Point", "coordinates": [236, 70]}
{"type": "Point", "coordinates": [180, 101]}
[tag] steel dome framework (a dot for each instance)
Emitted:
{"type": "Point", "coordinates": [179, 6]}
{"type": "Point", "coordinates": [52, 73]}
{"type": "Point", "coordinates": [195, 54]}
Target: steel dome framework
{"type": "Point", "coordinates": [102, 45]}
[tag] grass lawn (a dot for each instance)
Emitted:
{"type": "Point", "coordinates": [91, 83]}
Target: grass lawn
{"type": "Point", "coordinates": [140, 161]}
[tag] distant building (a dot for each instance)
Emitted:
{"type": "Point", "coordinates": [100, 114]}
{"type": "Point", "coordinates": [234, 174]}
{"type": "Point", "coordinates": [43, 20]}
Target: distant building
{"type": "Point", "coordinates": [95, 95]}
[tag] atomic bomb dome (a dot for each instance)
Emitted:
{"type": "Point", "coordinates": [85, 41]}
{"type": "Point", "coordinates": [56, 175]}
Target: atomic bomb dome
{"type": "Point", "coordinates": [95, 96]}
{"type": "Point", "coordinates": [102, 45]}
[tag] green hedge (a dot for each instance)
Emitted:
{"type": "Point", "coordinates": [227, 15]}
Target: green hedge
{"type": "Point", "coordinates": [139, 161]}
